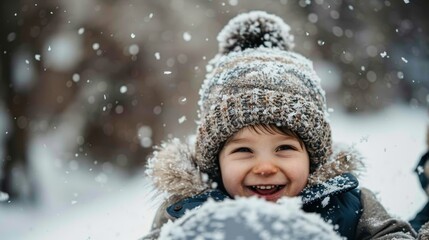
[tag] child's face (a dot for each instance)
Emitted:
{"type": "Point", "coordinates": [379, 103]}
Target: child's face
{"type": "Point", "coordinates": [267, 165]}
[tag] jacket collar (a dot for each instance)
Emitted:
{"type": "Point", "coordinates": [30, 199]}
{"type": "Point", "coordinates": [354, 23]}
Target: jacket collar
{"type": "Point", "coordinates": [309, 195]}
{"type": "Point", "coordinates": [179, 208]}
{"type": "Point", "coordinates": [334, 186]}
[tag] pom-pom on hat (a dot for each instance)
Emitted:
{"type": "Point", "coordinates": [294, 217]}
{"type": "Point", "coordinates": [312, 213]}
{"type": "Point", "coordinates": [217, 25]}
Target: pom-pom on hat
{"type": "Point", "coordinates": [253, 30]}
{"type": "Point", "coordinates": [256, 79]}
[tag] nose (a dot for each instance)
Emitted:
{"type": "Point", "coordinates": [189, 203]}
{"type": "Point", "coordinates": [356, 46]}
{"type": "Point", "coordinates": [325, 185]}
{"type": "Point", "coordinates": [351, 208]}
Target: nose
{"type": "Point", "coordinates": [265, 168]}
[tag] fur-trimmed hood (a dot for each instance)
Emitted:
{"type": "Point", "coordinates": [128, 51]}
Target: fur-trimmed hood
{"type": "Point", "coordinates": [173, 170]}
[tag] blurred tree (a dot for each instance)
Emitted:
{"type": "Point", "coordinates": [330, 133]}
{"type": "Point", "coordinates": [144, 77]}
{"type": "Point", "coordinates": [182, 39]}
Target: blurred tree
{"type": "Point", "coordinates": [82, 85]}
{"type": "Point", "coordinates": [371, 42]}
{"type": "Point", "coordinates": [15, 179]}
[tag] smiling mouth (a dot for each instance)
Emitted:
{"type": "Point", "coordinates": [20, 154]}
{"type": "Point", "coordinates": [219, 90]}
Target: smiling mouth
{"type": "Point", "coordinates": [266, 190]}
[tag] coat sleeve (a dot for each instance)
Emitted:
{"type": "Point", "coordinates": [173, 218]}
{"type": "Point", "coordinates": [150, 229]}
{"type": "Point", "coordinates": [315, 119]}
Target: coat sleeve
{"type": "Point", "coordinates": [376, 223]}
{"type": "Point", "coordinates": [161, 217]}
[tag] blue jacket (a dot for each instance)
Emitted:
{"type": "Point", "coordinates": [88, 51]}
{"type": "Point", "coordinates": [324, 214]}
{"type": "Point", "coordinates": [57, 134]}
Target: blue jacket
{"type": "Point", "coordinates": [337, 201]}
{"type": "Point", "coordinates": [423, 216]}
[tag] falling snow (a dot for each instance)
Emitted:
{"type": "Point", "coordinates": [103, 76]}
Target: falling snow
{"type": "Point", "coordinates": [325, 201]}
{"type": "Point", "coordinates": [3, 196]}
{"type": "Point", "coordinates": [134, 49]}
{"type": "Point", "coordinates": [91, 223]}
{"type": "Point", "coordinates": [76, 77]}
{"type": "Point", "coordinates": [187, 37]}
{"type": "Point", "coordinates": [383, 54]}
{"type": "Point", "coordinates": [182, 119]}
{"type": "Point", "coordinates": [123, 89]}
{"type": "Point", "coordinates": [95, 46]}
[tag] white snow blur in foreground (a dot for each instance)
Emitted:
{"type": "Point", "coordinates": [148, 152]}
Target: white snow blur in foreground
{"type": "Point", "coordinates": [249, 218]}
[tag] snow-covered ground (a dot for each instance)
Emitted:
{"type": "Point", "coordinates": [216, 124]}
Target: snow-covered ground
{"type": "Point", "coordinates": [80, 206]}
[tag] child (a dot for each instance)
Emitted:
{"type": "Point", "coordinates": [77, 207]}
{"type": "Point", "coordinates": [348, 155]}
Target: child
{"type": "Point", "coordinates": [420, 222]}
{"type": "Point", "coordinates": [422, 217]}
{"type": "Point", "coordinates": [264, 132]}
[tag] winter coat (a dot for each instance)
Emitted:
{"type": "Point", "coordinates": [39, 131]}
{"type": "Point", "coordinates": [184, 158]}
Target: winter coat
{"type": "Point", "coordinates": [422, 217]}
{"type": "Point", "coordinates": [331, 191]}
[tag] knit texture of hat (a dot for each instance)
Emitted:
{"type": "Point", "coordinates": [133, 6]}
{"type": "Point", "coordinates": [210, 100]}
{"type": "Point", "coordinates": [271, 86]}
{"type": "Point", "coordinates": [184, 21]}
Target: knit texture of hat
{"type": "Point", "coordinates": [256, 79]}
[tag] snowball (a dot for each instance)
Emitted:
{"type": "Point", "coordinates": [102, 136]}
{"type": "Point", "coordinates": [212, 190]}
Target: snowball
{"type": "Point", "coordinates": [249, 218]}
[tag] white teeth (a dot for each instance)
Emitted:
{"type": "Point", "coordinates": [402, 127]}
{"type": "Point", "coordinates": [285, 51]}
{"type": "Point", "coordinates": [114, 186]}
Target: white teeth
{"type": "Point", "coordinates": [267, 187]}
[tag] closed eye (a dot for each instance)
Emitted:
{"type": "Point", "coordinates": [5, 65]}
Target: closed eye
{"type": "Point", "coordinates": [285, 148]}
{"type": "Point", "coordinates": [242, 150]}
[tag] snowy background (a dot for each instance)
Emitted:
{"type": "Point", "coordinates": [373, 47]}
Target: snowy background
{"type": "Point", "coordinates": [89, 87]}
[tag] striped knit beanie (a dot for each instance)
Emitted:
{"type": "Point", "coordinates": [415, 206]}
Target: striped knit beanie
{"type": "Point", "coordinates": [256, 79]}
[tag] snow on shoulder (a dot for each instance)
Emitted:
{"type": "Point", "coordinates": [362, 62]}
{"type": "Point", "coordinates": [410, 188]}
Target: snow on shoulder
{"type": "Point", "coordinates": [255, 29]}
{"type": "Point", "coordinates": [249, 218]}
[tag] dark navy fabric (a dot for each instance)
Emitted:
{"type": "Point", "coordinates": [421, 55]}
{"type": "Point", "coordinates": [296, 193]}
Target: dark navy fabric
{"type": "Point", "coordinates": [179, 208]}
{"type": "Point", "coordinates": [334, 186]}
{"type": "Point", "coordinates": [337, 201]}
{"type": "Point", "coordinates": [423, 216]}
{"type": "Point", "coordinates": [419, 170]}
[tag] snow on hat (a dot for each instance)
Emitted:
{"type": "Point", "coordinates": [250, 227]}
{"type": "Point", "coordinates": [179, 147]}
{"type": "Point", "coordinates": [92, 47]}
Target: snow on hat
{"type": "Point", "coordinates": [249, 218]}
{"type": "Point", "coordinates": [256, 79]}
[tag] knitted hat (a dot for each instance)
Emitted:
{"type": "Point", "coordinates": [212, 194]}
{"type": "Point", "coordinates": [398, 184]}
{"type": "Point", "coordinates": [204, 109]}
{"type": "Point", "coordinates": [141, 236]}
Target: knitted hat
{"type": "Point", "coordinates": [256, 79]}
